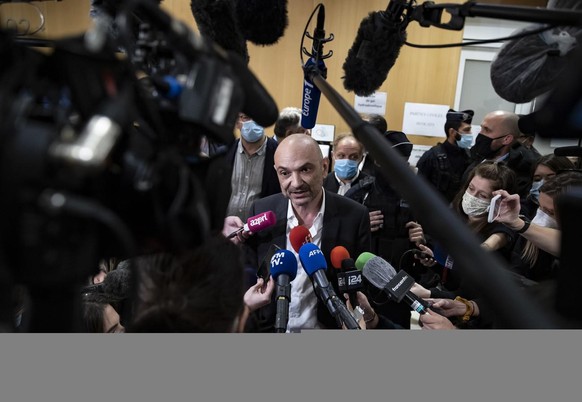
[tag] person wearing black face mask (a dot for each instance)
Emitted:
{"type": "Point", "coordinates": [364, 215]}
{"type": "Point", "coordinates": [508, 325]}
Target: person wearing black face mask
{"type": "Point", "coordinates": [444, 164]}
{"type": "Point", "coordinates": [498, 141]}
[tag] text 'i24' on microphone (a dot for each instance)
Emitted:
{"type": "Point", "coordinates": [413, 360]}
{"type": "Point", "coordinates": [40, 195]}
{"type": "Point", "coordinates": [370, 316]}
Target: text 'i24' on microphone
{"type": "Point", "coordinates": [314, 263]}
{"type": "Point", "coordinates": [298, 236]}
{"type": "Point", "coordinates": [256, 223]}
{"type": "Point", "coordinates": [376, 47]}
{"type": "Point", "coordinates": [283, 270]}
{"type": "Point", "coordinates": [383, 276]}
{"type": "Point", "coordinates": [349, 279]}
{"type": "Point", "coordinates": [314, 65]}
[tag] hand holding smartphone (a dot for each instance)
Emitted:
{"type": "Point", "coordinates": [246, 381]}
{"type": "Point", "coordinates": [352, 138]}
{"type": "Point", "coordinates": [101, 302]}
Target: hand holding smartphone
{"type": "Point", "coordinates": [494, 208]}
{"type": "Point", "coordinates": [264, 270]}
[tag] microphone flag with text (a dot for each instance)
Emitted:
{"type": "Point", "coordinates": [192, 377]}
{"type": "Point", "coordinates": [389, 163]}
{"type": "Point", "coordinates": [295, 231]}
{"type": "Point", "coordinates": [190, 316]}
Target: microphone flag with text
{"type": "Point", "coordinates": [315, 64]}
{"type": "Point", "coordinates": [256, 223]}
{"type": "Point", "coordinates": [383, 276]}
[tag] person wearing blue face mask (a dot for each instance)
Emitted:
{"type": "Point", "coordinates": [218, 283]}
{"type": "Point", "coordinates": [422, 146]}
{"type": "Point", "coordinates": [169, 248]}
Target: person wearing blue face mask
{"type": "Point", "coordinates": [444, 164]}
{"type": "Point", "coordinates": [545, 168]}
{"type": "Point", "coordinates": [347, 154]}
{"type": "Point", "coordinates": [252, 161]}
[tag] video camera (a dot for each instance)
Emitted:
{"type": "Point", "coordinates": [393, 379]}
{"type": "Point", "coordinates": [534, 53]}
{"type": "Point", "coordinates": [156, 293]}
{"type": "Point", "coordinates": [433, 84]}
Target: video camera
{"type": "Point", "coordinates": [100, 150]}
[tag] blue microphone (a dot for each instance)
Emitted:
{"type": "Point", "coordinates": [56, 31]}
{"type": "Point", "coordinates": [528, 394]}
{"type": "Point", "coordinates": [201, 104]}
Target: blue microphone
{"type": "Point", "coordinates": [314, 263]}
{"type": "Point", "coordinates": [311, 96]}
{"type": "Point", "coordinates": [283, 270]}
{"type": "Point", "coordinates": [315, 64]}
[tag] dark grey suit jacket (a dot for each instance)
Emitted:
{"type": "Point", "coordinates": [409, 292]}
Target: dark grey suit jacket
{"type": "Point", "coordinates": [345, 223]}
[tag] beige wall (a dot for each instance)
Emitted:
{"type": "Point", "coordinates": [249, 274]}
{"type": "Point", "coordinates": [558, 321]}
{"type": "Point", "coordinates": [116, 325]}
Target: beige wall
{"type": "Point", "coordinates": [422, 76]}
{"type": "Point", "coordinates": [419, 75]}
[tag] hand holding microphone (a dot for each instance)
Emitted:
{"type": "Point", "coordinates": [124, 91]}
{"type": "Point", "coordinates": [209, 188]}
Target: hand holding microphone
{"type": "Point", "coordinates": [369, 316]}
{"type": "Point", "coordinates": [254, 224]}
{"type": "Point", "coordinates": [383, 276]}
{"type": "Point", "coordinates": [314, 263]}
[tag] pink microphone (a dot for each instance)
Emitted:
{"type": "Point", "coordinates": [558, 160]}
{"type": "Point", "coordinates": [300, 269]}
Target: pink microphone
{"type": "Point", "coordinates": [256, 223]}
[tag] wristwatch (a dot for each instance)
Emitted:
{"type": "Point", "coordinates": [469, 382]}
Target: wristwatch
{"type": "Point", "coordinates": [526, 222]}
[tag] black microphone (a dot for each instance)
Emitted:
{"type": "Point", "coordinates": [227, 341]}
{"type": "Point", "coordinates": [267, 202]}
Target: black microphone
{"type": "Point", "coordinates": [353, 278]}
{"type": "Point", "coordinates": [262, 22]}
{"type": "Point", "coordinates": [217, 21]}
{"type": "Point", "coordinates": [311, 93]}
{"type": "Point", "coordinates": [347, 282]}
{"type": "Point", "coordinates": [315, 265]}
{"type": "Point", "coordinates": [375, 50]}
{"type": "Point", "coordinates": [382, 275]}
{"type": "Point", "coordinates": [283, 270]}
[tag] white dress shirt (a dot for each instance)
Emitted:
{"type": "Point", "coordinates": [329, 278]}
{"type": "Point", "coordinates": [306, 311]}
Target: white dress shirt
{"type": "Point", "coordinates": [303, 304]}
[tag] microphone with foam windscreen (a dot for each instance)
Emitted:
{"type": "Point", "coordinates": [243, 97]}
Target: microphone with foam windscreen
{"type": "Point", "coordinates": [375, 50]}
{"type": "Point", "coordinates": [216, 19]}
{"type": "Point", "coordinates": [298, 236]}
{"type": "Point", "coordinates": [256, 223]}
{"type": "Point", "coordinates": [283, 270]}
{"type": "Point", "coordinates": [315, 64]}
{"type": "Point", "coordinates": [314, 263]}
{"type": "Point", "coordinates": [530, 66]}
{"type": "Point", "coordinates": [383, 276]}
{"type": "Point", "coordinates": [262, 22]}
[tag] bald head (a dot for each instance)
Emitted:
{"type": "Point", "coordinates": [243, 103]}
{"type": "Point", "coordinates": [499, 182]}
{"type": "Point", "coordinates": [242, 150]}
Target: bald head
{"type": "Point", "coordinates": [506, 121]}
{"type": "Point", "coordinates": [501, 128]}
{"type": "Point", "coordinates": [299, 143]}
{"type": "Point", "coordinates": [301, 169]}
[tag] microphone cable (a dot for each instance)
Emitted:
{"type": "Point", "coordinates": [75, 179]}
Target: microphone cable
{"type": "Point", "coordinates": [303, 50]}
{"type": "Point", "coordinates": [483, 41]}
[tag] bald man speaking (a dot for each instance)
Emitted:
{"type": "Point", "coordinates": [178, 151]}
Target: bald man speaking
{"type": "Point", "coordinates": [332, 220]}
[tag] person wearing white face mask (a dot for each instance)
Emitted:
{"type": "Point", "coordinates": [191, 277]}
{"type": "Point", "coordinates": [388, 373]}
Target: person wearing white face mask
{"type": "Point", "coordinates": [472, 204]}
{"type": "Point", "coordinates": [444, 164]}
{"type": "Point", "coordinates": [529, 260]}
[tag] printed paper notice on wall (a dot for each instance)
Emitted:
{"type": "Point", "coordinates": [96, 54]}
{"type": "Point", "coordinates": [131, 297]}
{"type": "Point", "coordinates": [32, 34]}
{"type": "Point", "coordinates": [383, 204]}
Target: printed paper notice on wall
{"type": "Point", "coordinates": [323, 132]}
{"type": "Point", "coordinates": [373, 104]}
{"type": "Point", "coordinates": [424, 119]}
